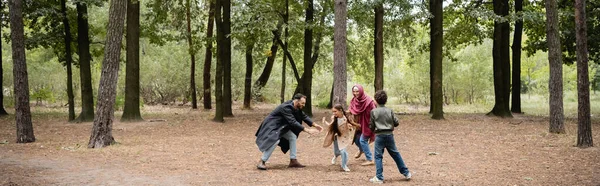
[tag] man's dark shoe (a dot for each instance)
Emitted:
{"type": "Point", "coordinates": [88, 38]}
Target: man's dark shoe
{"type": "Point", "coordinates": [295, 164]}
{"type": "Point", "coordinates": [261, 165]}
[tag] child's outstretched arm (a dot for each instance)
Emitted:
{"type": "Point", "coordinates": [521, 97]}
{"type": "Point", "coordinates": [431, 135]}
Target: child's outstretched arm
{"type": "Point", "coordinates": [327, 123]}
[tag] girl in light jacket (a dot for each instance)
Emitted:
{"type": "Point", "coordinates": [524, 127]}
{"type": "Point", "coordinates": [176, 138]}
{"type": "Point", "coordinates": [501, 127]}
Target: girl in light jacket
{"type": "Point", "coordinates": [340, 133]}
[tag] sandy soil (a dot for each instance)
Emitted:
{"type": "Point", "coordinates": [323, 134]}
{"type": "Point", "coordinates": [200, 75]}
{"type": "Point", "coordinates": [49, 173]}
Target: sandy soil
{"type": "Point", "coordinates": [189, 149]}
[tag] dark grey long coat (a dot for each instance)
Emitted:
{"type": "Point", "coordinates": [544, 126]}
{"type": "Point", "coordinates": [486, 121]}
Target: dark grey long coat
{"type": "Point", "coordinates": [284, 118]}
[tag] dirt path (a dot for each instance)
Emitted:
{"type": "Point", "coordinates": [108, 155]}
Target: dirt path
{"type": "Point", "coordinates": [189, 149]}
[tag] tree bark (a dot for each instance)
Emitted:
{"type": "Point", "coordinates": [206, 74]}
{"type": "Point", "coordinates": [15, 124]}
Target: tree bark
{"type": "Point", "coordinates": [285, 38]}
{"type": "Point", "coordinates": [266, 73]}
{"type": "Point", "coordinates": [2, 110]}
{"type": "Point", "coordinates": [131, 111]}
{"type": "Point", "coordinates": [227, 98]}
{"type": "Point", "coordinates": [435, 56]}
{"type": "Point", "coordinates": [501, 60]}
{"type": "Point", "coordinates": [339, 57]}
{"type": "Point", "coordinates": [85, 72]}
{"type": "Point", "coordinates": [555, 84]}
{"type": "Point", "coordinates": [248, 80]}
{"type": "Point", "coordinates": [102, 129]}
{"type": "Point", "coordinates": [208, 57]}
{"type": "Point", "coordinates": [584, 124]}
{"type": "Point", "coordinates": [308, 41]}
{"type": "Point", "coordinates": [192, 52]}
{"type": "Point", "coordinates": [516, 59]}
{"type": "Point", "coordinates": [219, 66]}
{"type": "Point", "coordinates": [378, 46]}
{"type": "Point", "coordinates": [20, 79]}
{"type": "Point", "coordinates": [68, 60]}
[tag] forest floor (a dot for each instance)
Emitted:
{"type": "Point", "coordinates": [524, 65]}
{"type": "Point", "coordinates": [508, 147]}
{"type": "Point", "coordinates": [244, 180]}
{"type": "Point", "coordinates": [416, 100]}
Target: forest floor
{"type": "Point", "coordinates": [187, 148]}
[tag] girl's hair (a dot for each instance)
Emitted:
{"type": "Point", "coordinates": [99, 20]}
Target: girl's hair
{"type": "Point", "coordinates": [334, 125]}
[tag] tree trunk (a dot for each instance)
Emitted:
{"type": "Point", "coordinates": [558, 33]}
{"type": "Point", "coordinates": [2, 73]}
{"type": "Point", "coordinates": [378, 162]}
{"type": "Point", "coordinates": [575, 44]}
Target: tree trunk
{"type": "Point", "coordinates": [68, 60]}
{"type": "Point", "coordinates": [285, 38]}
{"type": "Point", "coordinates": [85, 72]}
{"type": "Point", "coordinates": [219, 68]}
{"type": "Point", "coordinates": [192, 52]}
{"type": "Point", "coordinates": [330, 104]}
{"type": "Point", "coordinates": [208, 57]}
{"type": "Point", "coordinates": [227, 98]}
{"type": "Point", "coordinates": [378, 46]}
{"type": "Point", "coordinates": [516, 57]}
{"type": "Point", "coordinates": [2, 110]}
{"type": "Point", "coordinates": [501, 58]}
{"type": "Point", "coordinates": [20, 79]}
{"type": "Point", "coordinates": [102, 129]}
{"type": "Point", "coordinates": [131, 111]}
{"type": "Point", "coordinates": [248, 80]}
{"type": "Point", "coordinates": [555, 84]}
{"type": "Point", "coordinates": [308, 41]}
{"type": "Point", "coordinates": [339, 57]}
{"type": "Point", "coordinates": [435, 56]}
{"type": "Point", "coordinates": [584, 129]}
{"type": "Point", "coordinates": [266, 73]}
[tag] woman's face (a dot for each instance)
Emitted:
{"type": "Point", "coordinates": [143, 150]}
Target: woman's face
{"type": "Point", "coordinates": [355, 91]}
{"type": "Point", "coordinates": [337, 113]}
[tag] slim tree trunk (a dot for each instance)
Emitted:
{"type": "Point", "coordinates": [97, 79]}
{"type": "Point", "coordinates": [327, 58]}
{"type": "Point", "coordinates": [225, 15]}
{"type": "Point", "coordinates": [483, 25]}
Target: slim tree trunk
{"type": "Point", "coordinates": [378, 46]}
{"type": "Point", "coordinates": [584, 129]}
{"type": "Point", "coordinates": [227, 97]}
{"type": "Point", "coordinates": [339, 57]}
{"type": "Point", "coordinates": [102, 129]}
{"type": "Point", "coordinates": [248, 80]}
{"type": "Point", "coordinates": [68, 60]}
{"type": "Point", "coordinates": [2, 110]}
{"type": "Point", "coordinates": [85, 72]}
{"type": "Point", "coordinates": [131, 111]}
{"type": "Point", "coordinates": [435, 56]}
{"type": "Point", "coordinates": [555, 84]}
{"type": "Point", "coordinates": [192, 52]}
{"type": "Point", "coordinates": [266, 73]}
{"type": "Point", "coordinates": [20, 79]}
{"type": "Point", "coordinates": [501, 58]}
{"type": "Point", "coordinates": [208, 57]}
{"type": "Point", "coordinates": [285, 38]}
{"type": "Point", "coordinates": [308, 41]}
{"type": "Point", "coordinates": [219, 68]}
{"type": "Point", "coordinates": [516, 57]}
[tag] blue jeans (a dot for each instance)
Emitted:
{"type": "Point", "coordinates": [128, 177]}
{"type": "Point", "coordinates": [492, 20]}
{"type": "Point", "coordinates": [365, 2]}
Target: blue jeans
{"type": "Point", "coordinates": [290, 136]}
{"type": "Point", "coordinates": [364, 146]}
{"type": "Point", "coordinates": [337, 152]}
{"type": "Point", "coordinates": [387, 141]}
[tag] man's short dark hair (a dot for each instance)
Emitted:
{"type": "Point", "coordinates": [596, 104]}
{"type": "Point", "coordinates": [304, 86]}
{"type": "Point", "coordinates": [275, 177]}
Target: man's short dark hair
{"type": "Point", "coordinates": [381, 97]}
{"type": "Point", "coordinates": [299, 96]}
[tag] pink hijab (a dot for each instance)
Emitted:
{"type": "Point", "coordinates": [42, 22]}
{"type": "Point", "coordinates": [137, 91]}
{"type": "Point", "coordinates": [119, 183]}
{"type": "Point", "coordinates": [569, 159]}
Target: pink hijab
{"type": "Point", "coordinates": [361, 106]}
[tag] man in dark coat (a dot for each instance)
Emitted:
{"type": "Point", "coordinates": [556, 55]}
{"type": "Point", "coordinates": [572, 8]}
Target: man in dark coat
{"type": "Point", "coordinates": [282, 127]}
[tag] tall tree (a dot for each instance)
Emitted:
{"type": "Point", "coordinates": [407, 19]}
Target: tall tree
{"type": "Point", "coordinates": [584, 129]}
{"type": "Point", "coordinates": [378, 45]}
{"type": "Point", "coordinates": [248, 79]}
{"type": "Point", "coordinates": [339, 57]}
{"type": "Point", "coordinates": [208, 57]}
{"type": "Point", "coordinates": [85, 72]}
{"type": "Point", "coordinates": [308, 44]}
{"type": "Point", "coordinates": [286, 18]}
{"type": "Point", "coordinates": [21, 82]}
{"type": "Point", "coordinates": [68, 59]}
{"type": "Point", "coordinates": [102, 130]}
{"type": "Point", "coordinates": [226, 28]}
{"type": "Point", "coordinates": [436, 34]}
{"type": "Point", "coordinates": [516, 59]}
{"type": "Point", "coordinates": [501, 60]}
{"type": "Point", "coordinates": [2, 110]}
{"type": "Point", "coordinates": [266, 73]}
{"type": "Point", "coordinates": [555, 85]}
{"type": "Point", "coordinates": [192, 52]}
{"type": "Point", "coordinates": [219, 112]}
{"type": "Point", "coordinates": [131, 111]}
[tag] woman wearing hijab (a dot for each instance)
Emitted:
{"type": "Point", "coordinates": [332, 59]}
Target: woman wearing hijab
{"type": "Point", "coordinates": [361, 106]}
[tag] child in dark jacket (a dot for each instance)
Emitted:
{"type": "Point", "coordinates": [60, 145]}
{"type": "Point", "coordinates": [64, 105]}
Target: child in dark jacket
{"type": "Point", "coordinates": [382, 123]}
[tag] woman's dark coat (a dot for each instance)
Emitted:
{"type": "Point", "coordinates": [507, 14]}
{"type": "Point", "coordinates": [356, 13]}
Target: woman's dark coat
{"type": "Point", "coordinates": [284, 118]}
